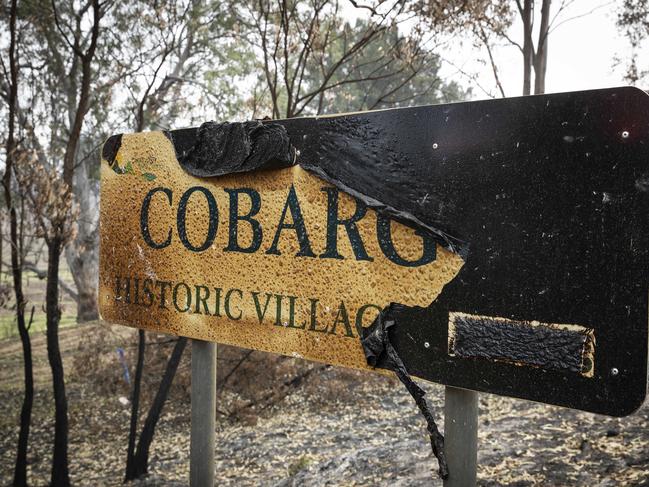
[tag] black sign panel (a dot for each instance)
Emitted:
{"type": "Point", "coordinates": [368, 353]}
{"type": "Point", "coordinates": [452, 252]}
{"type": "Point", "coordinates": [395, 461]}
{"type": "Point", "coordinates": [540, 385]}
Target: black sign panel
{"type": "Point", "coordinates": [547, 200]}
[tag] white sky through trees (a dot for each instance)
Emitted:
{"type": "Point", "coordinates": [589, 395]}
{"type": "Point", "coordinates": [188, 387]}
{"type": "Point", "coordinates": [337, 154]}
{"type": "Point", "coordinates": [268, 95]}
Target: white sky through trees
{"type": "Point", "coordinates": [582, 53]}
{"type": "Point", "coordinates": [586, 52]}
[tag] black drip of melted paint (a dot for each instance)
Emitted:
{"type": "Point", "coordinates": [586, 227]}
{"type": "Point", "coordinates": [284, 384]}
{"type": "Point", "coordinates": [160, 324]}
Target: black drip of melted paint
{"type": "Point", "coordinates": [225, 148]}
{"type": "Point", "coordinates": [379, 351]}
{"type": "Point", "coordinates": [518, 342]}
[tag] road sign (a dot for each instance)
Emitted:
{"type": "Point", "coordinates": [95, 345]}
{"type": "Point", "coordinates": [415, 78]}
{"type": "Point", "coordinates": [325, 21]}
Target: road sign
{"type": "Point", "coordinates": [512, 236]}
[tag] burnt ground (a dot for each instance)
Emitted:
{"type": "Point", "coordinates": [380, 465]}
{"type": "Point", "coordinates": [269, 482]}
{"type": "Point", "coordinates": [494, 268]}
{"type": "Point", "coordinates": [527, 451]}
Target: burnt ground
{"type": "Point", "coordinates": [337, 428]}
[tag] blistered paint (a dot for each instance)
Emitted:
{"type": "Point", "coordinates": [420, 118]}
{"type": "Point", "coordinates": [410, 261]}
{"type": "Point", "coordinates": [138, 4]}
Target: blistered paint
{"type": "Point", "coordinates": [343, 293]}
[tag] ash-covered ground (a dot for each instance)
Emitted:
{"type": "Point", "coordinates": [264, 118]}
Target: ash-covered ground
{"type": "Point", "coordinates": [336, 428]}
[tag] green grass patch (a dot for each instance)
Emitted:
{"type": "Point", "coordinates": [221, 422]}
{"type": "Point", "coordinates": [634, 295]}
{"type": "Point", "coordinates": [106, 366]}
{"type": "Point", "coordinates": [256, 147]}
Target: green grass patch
{"type": "Point", "coordinates": [34, 290]}
{"type": "Point", "coordinates": [9, 329]}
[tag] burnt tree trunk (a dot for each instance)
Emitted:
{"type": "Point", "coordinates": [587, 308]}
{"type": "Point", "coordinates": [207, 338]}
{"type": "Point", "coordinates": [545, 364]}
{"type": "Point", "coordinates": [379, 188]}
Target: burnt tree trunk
{"type": "Point", "coordinates": [56, 244]}
{"type": "Point", "coordinates": [20, 468]}
{"type": "Point", "coordinates": [541, 56]}
{"type": "Point", "coordinates": [141, 461]}
{"type": "Point", "coordinates": [135, 408]}
{"type": "Point", "coordinates": [60, 475]}
{"type": "Point", "coordinates": [528, 45]}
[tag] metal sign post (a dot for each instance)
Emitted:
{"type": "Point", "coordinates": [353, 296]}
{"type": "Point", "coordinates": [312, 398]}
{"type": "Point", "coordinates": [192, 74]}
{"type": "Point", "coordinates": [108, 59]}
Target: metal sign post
{"type": "Point", "coordinates": [201, 449]}
{"type": "Point", "coordinates": [461, 436]}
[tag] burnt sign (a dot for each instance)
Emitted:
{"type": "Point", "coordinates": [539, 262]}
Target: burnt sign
{"type": "Point", "coordinates": [506, 241]}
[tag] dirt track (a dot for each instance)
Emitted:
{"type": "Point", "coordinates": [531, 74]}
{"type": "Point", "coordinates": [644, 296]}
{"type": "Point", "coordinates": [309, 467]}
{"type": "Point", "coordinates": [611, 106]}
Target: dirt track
{"type": "Point", "coordinates": [369, 435]}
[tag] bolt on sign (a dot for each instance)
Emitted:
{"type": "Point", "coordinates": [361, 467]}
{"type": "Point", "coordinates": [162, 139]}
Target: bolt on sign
{"type": "Point", "coordinates": [508, 240]}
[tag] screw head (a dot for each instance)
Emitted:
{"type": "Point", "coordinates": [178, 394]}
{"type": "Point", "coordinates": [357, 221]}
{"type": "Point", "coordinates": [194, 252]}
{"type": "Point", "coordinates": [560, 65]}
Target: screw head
{"type": "Point", "coordinates": [435, 146]}
{"type": "Point", "coordinates": [614, 371]}
{"type": "Point", "coordinates": [426, 345]}
{"type": "Point", "coordinates": [625, 134]}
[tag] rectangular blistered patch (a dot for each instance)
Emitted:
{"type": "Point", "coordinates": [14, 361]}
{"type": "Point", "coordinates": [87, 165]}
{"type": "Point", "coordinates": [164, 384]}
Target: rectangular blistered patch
{"type": "Point", "coordinates": [559, 347]}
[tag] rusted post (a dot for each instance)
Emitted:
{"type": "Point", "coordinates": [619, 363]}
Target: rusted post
{"type": "Point", "coordinates": [201, 448]}
{"type": "Point", "coordinates": [461, 436]}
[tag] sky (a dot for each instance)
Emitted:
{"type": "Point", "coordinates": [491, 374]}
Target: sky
{"type": "Point", "coordinates": [581, 54]}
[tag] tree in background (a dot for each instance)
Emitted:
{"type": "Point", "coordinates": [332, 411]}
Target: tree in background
{"type": "Point", "coordinates": [490, 24]}
{"type": "Point", "coordinates": [485, 22]}
{"type": "Point", "coordinates": [77, 89]}
{"type": "Point", "coordinates": [314, 62]}
{"type": "Point", "coordinates": [633, 20]}
{"type": "Point", "coordinates": [10, 94]}
{"type": "Point", "coordinates": [392, 71]}
{"type": "Point", "coordinates": [82, 46]}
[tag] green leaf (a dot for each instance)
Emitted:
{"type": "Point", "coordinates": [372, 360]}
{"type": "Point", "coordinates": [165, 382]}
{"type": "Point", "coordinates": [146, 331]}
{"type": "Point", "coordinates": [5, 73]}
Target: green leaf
{"type": "Point", "coordinates": [148, 176]}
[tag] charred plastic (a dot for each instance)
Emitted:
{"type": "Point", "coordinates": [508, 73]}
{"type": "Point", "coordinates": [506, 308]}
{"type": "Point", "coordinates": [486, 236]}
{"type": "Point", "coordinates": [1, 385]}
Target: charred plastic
{"type": "Point", "coordinates": [290, 224]}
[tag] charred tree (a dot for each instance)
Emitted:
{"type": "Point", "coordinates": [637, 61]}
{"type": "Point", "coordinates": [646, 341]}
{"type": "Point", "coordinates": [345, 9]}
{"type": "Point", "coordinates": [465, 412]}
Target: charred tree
{"type": "Point", "coordinates": [526, 13]}
{"type": "Point", "coordinates": [140, 461]}
{"type": "Point", "coordinates": [541, 57]}
{"type": "Point", "coordinates": [20, 469]}
{"type": "Point", "coordinates": [60, 475]}
{"type": "Point", "coordinates": [135, 408]}
{"type": "Point", "coordinates": [534, 58]}
{"type": "Point", "coordinates": [58, 237]}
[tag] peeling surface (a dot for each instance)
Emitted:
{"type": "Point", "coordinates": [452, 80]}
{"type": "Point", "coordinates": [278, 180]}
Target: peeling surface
{"type": "Point", "coordinates": [109, 152]}
{"type": "Point", "coordinates": [227, 148]}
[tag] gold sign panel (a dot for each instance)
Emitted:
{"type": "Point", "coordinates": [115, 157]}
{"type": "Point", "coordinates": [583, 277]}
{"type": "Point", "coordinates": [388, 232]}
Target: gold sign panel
{"type": "Point", "coordinates": [278, 260]}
